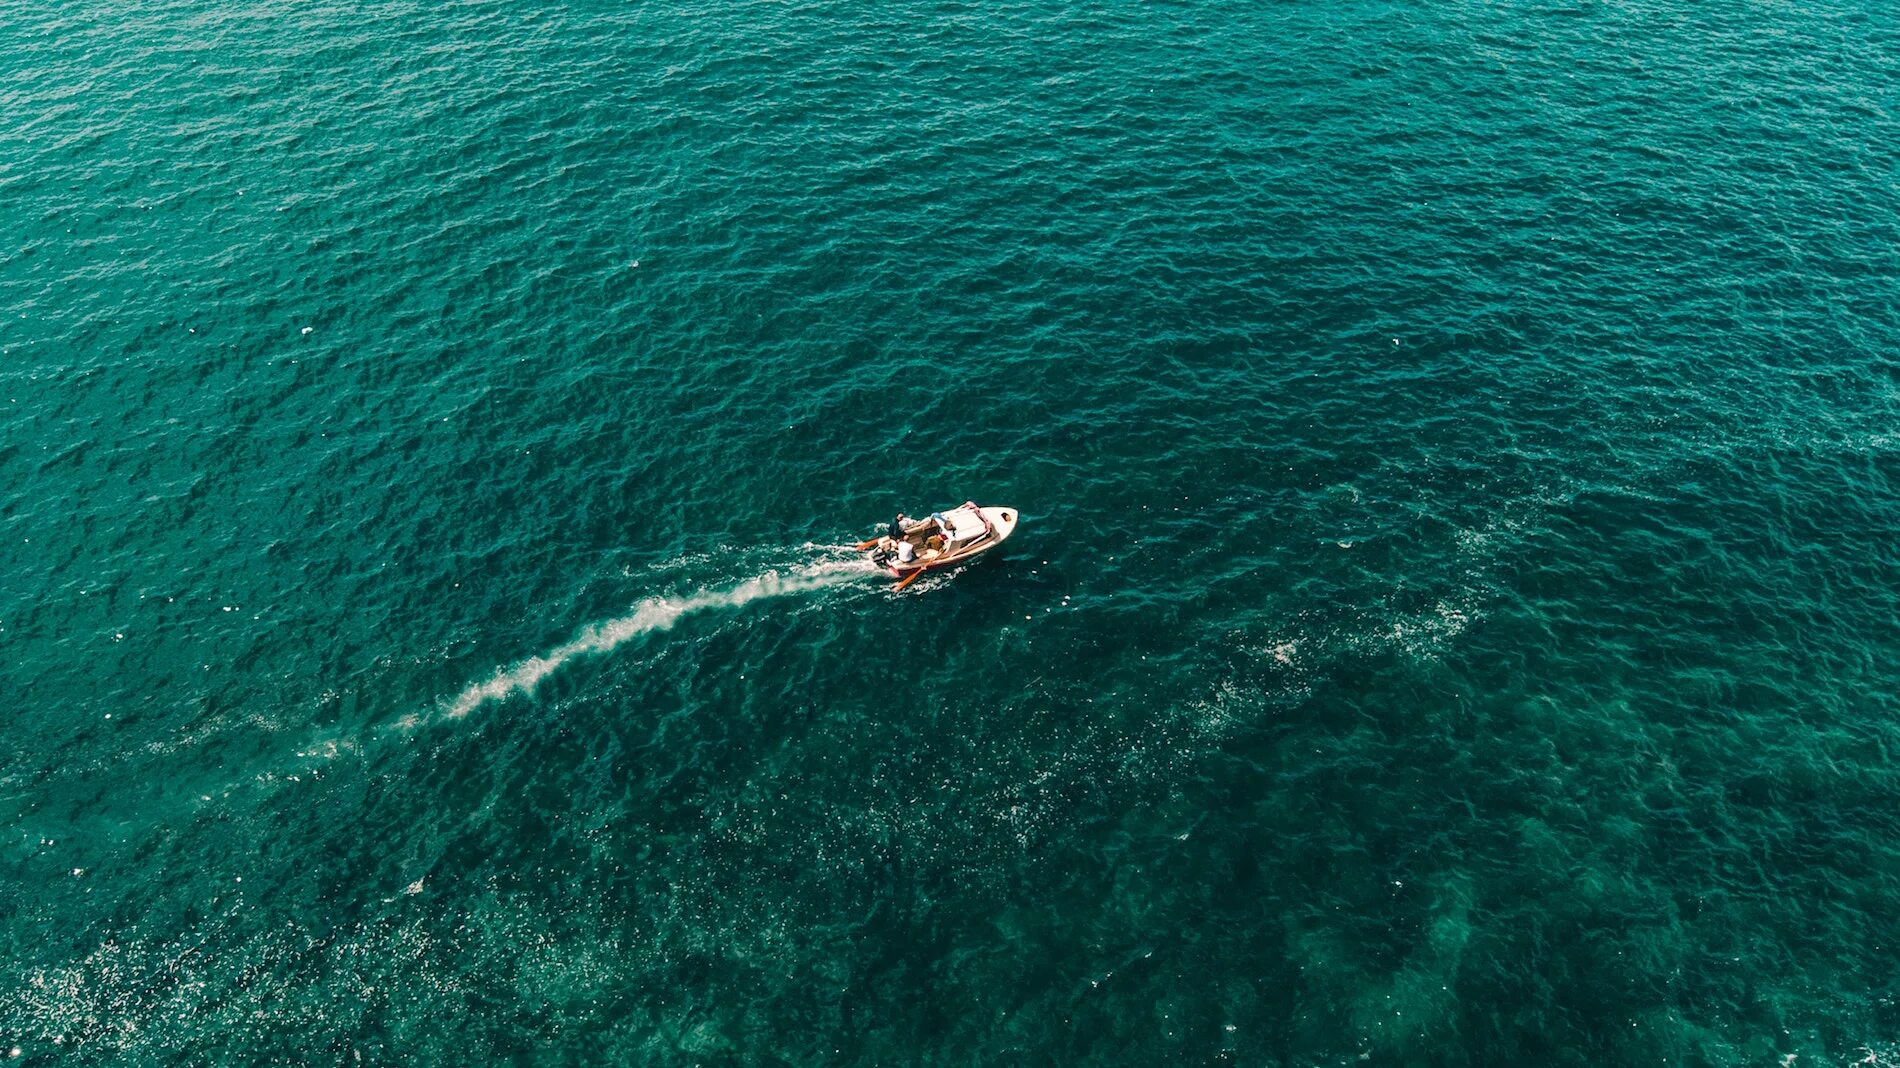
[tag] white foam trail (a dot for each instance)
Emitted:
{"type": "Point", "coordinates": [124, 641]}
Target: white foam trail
{"type": "Point", "coordinates": [652, 614]}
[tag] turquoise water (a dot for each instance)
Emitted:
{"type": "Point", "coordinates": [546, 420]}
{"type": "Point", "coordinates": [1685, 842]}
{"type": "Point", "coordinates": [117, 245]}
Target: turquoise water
{"type": "Point", "coordinates": [1454, 619]}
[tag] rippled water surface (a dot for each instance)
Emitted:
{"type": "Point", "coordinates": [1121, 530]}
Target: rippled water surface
{"type": "Point", "coordinates": [1454, 618]}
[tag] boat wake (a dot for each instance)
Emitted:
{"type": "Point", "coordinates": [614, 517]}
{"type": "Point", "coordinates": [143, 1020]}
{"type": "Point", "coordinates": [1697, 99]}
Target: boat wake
{"type": "Point", "coordinates": [650, 615]}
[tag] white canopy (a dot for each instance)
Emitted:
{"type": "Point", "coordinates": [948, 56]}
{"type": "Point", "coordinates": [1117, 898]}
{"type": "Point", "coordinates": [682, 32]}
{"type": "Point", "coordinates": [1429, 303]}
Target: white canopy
{"type": "Point", "coordinates": [965, 524]}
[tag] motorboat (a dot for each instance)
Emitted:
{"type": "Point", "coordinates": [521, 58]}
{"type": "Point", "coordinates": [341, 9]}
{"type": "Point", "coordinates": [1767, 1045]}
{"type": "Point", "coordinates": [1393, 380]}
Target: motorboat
{"type": "Point", "coordinates": [944, 539]}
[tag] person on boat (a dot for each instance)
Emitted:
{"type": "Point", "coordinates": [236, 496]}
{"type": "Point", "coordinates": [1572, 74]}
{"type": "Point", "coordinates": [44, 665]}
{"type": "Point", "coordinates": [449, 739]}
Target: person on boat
{"type": "Point", "coordinates": [898, 527]}
{"type": "Point", "coordinates": [906, 552]}
{"type": "Point", "coordinates": [940, 526]}
{"type": "Point", "coordinates": [988, 527]}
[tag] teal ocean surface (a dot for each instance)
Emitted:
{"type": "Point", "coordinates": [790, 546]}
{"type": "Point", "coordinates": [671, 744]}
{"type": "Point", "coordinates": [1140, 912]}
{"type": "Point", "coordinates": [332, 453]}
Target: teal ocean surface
{"type": "Point", "coordinates": [1455, 618]}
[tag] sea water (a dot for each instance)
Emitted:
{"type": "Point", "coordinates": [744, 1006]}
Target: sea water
{"type": "Point", "coordinates": [1453, 620]}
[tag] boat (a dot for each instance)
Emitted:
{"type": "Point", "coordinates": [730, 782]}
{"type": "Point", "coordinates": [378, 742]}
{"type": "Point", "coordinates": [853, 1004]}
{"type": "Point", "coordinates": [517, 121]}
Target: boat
{"type": "Point", "coordinates": [945, 539]}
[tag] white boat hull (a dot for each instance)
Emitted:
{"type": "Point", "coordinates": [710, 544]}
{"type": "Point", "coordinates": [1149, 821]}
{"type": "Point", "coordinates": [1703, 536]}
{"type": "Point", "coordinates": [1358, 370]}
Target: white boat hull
{"type": "Point", "coordinates": [973, 532]}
